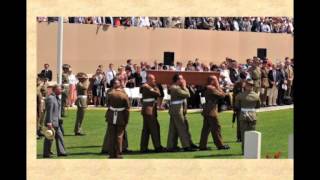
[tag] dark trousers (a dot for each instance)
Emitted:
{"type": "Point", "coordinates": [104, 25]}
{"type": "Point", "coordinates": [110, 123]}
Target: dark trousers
{"type": "Point", "coordinates": [281, 94]}
{"type": "Point", "coordinates": [150, 127]}
{"type": "Point", "coordinates": [59, 143]}
{"type": "Point", "coordinates": [116, 133]}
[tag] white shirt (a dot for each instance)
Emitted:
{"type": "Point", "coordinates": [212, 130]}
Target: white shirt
{"type": "Point", "coordinates": [144, 76]}
{"type": "Point", "coordinates": [265, 28]}
{"type": "Point", "coordinates": [236, 25]}
{"type": "Point", "coordinates": [97, 20]}
{"type": "Point", "coordinates": [72, 79]}
{"type": "Point", "coordinates": [179, 68]}
{"type": "Point", "coordinates": [225, 73]}
{"type": "Point", "coordinates": [110, 76]}
{"type": "Point", "coordinates": [144, 22]}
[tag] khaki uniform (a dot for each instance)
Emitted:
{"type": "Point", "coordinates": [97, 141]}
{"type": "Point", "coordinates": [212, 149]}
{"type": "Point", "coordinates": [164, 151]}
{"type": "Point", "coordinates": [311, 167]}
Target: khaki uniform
{"type": "Point", "coordinates": [40, 108]}
{"type": "Point", "coordinates": [210, 115]}
{"type": "Point", "coordinates": [43, 92]}
{"type": "Point", "coordinates": [264, 85]}
{"type": "Point", "coordinates": [237, 89]}
{"type": "Point", "coordinates": [151, 125]}
{"type": "Point", "coordinates": [290, 75]}
{"type": "Point", "coordinates": [256, 77]}
{"type": "Point", "coordinates": [117, 117]}
{"type": "Point", "coordinates": [81, 103]}
{"type": "Point", "coordinates": [105, 145]}
{"type": "Point", "coordinates": [65, 93]}
{"type": "Point", "coordinates": [178, 126]}
{"type": "Point", "coordinates": [244, 101]}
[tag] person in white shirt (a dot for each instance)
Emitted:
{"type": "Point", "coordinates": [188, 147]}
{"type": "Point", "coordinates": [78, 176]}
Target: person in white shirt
{"type": "Point", "coordinates": [72, 88]}
{"type": "Point", "coordinates": [265, 27]}
{"type": "Point", "coordinates": [179, 66]}
{"type": "Point", "coordinates": [144, 22]}
{"type": "Point", "coordinates": [111, 74]}
{"type": "Point", "coordinates": [235, 25]}
{"type": "Point", "coordinates": [97, 20]}
{"type": "Point", "coordinates": [225, 72]}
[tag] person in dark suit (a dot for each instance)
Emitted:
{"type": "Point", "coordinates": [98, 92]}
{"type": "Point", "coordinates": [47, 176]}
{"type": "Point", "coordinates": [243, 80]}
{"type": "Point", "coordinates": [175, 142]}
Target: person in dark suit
{"type": "Point", "coordinates": [282, 88]}
{"type": "Point", "coordinates": [53, 115]}
{"type": "Point", "coordinates": [274, 81]}
{"type": "Point", "coordinates": [234, 73]}
{"type": "Point", "coordinates": [46, 73]}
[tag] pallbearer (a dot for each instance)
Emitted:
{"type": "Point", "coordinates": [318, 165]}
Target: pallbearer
{"type": "Point", "coordinates": [117, 117]}
{"type": "Point", "coordinates": [151, 126]}
{"type": "Point", "coordinates": [178, 126]}
{"type": "Point", "coordinates": [210, 114]}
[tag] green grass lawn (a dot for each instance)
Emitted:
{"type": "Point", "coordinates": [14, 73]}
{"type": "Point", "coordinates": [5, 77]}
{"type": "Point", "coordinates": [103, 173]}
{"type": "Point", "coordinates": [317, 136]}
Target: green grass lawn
{"type": "Point", "coordinates": [275, 127]}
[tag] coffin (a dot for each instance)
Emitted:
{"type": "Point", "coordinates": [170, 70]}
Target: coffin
{"type": "Point", "coordinates": [192, 77]}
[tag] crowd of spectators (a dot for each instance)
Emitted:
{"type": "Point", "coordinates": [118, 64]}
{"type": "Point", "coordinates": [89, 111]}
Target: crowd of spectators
{"type": "Point", "coordinates": [278, 83]}
{"type": "Point", "coordinates": [246, 24]}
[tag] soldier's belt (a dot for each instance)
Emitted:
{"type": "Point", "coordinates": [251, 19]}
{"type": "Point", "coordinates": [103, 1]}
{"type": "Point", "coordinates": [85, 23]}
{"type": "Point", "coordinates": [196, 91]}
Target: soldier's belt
{"type": "Point", "coordinates": [148, 100]}
{"type": "Point", "coordinates": [82, 96]}
{"type": "Point", "coordinates": [177, 102]}
{"type": "Point", "coordinates": [248, 109]}
{"type": "Point", "coordinates": [65, 84]}
{"type": "Point", "coordinates": [115, 113]}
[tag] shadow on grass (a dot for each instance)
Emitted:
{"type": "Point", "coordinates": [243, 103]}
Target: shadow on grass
{"type": "Point", "coordinates": [73, 147]}
{"type": "Point", "coordinates": [217, 155]}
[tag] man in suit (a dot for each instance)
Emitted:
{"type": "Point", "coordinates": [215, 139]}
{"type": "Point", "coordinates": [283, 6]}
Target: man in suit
{"type": "Point", "coordinates": [234, 73]}
{"type": "Point", "coordinates": [151, 125]}
{"type": "Point", "coordinates": [117, 117]}
{"type": "Point", "coordinates": [46, 72]}
{"type": "Point", "coordinates": [178, 126]}
{"type": "Point", "coordinates": [211, 123]}
{"type": "Point", "coordinates": [111, 74]}
{"type": "Point", "coordinates": [282, 88]}
{"type": "Point", "coordinates": [81, 102]}
{"type": "Point", "coordinates": [274, 81]}
{"type": "Point", "coordinates": [53, 115]}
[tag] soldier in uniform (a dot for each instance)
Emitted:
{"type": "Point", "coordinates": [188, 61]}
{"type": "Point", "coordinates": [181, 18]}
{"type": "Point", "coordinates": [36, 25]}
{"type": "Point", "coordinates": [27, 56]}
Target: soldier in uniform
{"type": "Point", "coordinates": [246, 103]}
{"type": "Point", "coordinates": [237, 89]}
{"type": "Point", "coordinates": [211, 123]}
{"type": "Point", "coordinates": [39, 107]}
{"type": "Point", "coordinates": [151, 126]}
{"type": "Point", "coordinates": [42, 89]}
{"type": "Point", "coordinates": [255, 75]}
{"type": "Point", "coordinates": [178, 126]}
{"type": "Point", "coordinates": [117, 117]}
{"type": "Point", "coordinates": [65, 84]}
{"type": "Point", "coordinates": [81, 101]}
{"type": "Point", "coordinates": [264, 84]}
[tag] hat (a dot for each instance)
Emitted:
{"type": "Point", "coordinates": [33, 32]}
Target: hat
{"type": "Point", "coordinates": [250, 81]}
{"type": "Point", "coordinates": [48, 133]}
{"type": "Point", "coordinates": [65, 66]}
{"type": "Point", "coordinates": [82, 75]}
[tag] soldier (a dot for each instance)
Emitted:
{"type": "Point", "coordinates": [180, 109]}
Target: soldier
{"type": "Point", "coordinates": [211, 124]}
{"type": "Point", "coordinates": [39, 108]}
{"type": "Point", "coordinates": [42, 90]}
{"type": "Point", "coordinates": [237, 89]}
{"type": "Point", "coordinates": [178, 126]}
{"type": "Point", "coordinates": [65, 84]}
{"type": "Point", "coordinates": [53, 115]}
{"type": "Point", "coordinates": [264, 84]}
{"type": "Point", "coordinates": [81, 101]}
{"type": "Point", "coordinates": [290, 75]}
{"type": "Point", "coordinates": [117, 117]}
{"type": "Point", "coordinates": [246, 103]}
{"type": "Point", "coordinates": [255, 75]}
{"type": "Point", "coordinates": [151, 126]}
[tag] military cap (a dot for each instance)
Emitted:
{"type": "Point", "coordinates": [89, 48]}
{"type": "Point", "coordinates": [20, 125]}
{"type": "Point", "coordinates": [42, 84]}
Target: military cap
{"type": "Point", "coordinates": [82, 75]}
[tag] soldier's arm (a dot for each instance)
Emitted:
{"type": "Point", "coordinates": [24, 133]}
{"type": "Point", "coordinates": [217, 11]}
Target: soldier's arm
{"type": "Point", "coordinates": [258, 103]}
{"type": "Point", "coordinates": [237, 103]}
{"type": "Point", "coordinates": [215, 91]}
{"type": "Point", "coordinates": [183, 93]}
{"type": "Point", "coordinates": [154, 91]}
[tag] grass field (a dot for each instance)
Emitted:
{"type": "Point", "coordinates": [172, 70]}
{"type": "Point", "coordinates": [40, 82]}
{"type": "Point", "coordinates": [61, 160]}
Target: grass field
{"type": "Point", "coordinates": [275, 127]}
